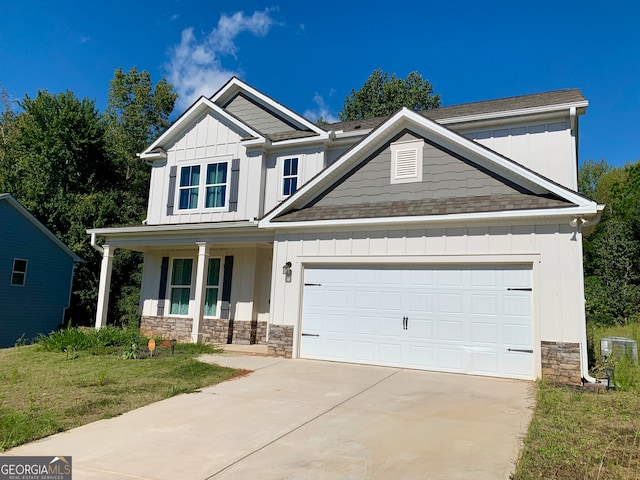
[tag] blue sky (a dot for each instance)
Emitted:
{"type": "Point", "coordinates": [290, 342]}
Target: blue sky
{"type": "Point", "coordinates": [309, 55]}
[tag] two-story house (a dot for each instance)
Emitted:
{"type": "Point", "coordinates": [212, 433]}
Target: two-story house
{"type": "Point", "coordinates": [445, 240]}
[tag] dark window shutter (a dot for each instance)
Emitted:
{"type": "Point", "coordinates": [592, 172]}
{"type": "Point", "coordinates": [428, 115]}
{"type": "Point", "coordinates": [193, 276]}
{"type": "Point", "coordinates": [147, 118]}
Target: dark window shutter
{"type": "Point", "coordinates": [162, 291]}
{"type": "Point", "coordinates": [173, 173]}
{"type": "Point", "coordinates": [226, 288]}
{"type": "Point", "coordinates": [234, 180]}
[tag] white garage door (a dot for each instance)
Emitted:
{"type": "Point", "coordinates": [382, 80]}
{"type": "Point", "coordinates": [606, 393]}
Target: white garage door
{"type": "Point", "coordinates": [474, 320]}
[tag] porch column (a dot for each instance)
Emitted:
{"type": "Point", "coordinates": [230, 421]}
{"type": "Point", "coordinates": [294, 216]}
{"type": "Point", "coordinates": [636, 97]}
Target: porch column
{"type": "Point", "coordinates": [105, 286]}
{"type": "Point", "coordinates": [200, 291]}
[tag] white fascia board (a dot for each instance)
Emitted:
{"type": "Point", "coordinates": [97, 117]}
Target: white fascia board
{"type": "Point", "coordinates": [405, 117]}
{"type": "Point", "coordinates": [202, 105]}
{"type": "Point", "coordinates": [431, 219]}
{"type": "Point", "coordinates": [248, 225]}
{"type": "Point", "coordinates": [235, 84]}
{"type": "Point", "coordinates": [514, 113]}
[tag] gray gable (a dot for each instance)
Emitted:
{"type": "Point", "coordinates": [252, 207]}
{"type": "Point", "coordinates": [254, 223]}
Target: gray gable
{"type": "Point", "coordinates": [450, 184]}
{"type": "Point", "coordinates": [257, 116]}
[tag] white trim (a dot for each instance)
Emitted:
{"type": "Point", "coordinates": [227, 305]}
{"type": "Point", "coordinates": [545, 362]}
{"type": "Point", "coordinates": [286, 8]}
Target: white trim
{"type": "Point", "coordinates": [405, 118]}
{"type": "Point", "coordinates": [235, 85]}
{"type": "Point", "coordinates": [460, 217]}
{"type": "Point", "coordinates": [248, 225]}
{"type": "Point", "coordinates": [200, 106]}
{"type": "Point", "coordinates": [170, 286]}
{"type": "Point", "coordinates": [406, 161]}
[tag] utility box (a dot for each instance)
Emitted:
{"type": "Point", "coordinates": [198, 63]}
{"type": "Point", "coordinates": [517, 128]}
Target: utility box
{"type": "Point", "coordinates": [617, 347]}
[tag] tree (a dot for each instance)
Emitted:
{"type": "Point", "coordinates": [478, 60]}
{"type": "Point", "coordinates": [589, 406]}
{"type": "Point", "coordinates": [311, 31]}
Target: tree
{"type": "Point", "coordinates": [590, 174]}
{"type": "Point", "coordinates": [137, 112]}
{"type": "Point", "coordinates": [383, 95]}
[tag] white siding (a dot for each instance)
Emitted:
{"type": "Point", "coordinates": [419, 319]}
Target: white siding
{"type": "Point", "coordinates": [311, 161]}
{"type": "Point", "coordinates": [546, 148]}
{"type": "Point", "coordinates": [554, 252]}
{"type": "Point", "coordinates": [208, 140]}
{"type": "Point", "coordinates": [244, 289]}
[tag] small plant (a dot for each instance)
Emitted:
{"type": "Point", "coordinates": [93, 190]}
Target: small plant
{"type": "Point", "coordinates": [71, 352]}
{"type": "Point", "coordinates": [102, 377]}
{"type": "Point", "coordinates": [21, 341]}
{"type": "Point", "coordinates": [131, 351]}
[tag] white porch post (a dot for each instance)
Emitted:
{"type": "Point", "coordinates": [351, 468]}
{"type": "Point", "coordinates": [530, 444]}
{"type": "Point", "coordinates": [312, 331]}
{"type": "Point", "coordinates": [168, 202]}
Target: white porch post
{"type": "Point", "coordinates": [105, 286]}
{"type": "Point", "coordinates": [200, 292]}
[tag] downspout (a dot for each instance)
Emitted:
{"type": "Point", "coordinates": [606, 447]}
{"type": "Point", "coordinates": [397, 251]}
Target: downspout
{"type": "Point", "coordinates": [95, 245]}
{"type": "Point", "coordinates": [584, 355]}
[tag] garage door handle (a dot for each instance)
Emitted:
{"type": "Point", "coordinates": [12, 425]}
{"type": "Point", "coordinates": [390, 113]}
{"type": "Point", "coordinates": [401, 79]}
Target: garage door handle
{"type": "Point", "coordinates": [310, 335]}
{"type": "Point", "coordinates": [519, 350]}
{"type": "Point", "coordinates": [312, 284]}
{"type": "Point", "coordinates": [520, 289]}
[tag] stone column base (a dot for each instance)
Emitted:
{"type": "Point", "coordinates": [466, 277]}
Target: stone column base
{"type": "Point", "coordinates": [214, 330]}
{"type": "Point", "coordinates": [280, 340]}
{"type": "Point", "coordinates": [561, 362]}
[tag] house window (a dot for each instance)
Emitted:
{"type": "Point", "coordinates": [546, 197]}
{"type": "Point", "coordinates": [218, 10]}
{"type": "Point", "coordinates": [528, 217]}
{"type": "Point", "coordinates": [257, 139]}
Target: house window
{"type": "Point", "coordinates": [212, 288]}
{"type": "Point", "coordinates": [216, 185]}
{"type": "Point", "coordinates": [289, 176]}
{"type": "Point", "coordinates": [19, 273]}
{"type": "Point", "coordinates": [406, 161]}
{"type": "Point", "coordinates": [181, 285]}
{"type": "Point", "coordinates": [189, 183]}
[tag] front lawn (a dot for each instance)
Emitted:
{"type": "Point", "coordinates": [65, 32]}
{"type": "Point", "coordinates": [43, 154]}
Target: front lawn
{"type": "Point", "coordinates": [582, 435]}
{"type": "Point", "coordinates": [44, 392]}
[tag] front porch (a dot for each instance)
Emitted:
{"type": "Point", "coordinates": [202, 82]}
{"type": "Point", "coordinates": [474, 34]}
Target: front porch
{"type": "Point", "coordinates": [207, 285]}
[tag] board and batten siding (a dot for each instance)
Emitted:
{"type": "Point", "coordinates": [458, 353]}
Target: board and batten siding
{"type": "Point", "coordinates": [208, 140]}
{"type": "Point", "coordinates": [554, 251]}
{"type": "Point", "coordinates": [247, 269]}
{"type": "Point", "coordinates": [546, 148]}
{"type": "Point", "coordinates": [311, 161]}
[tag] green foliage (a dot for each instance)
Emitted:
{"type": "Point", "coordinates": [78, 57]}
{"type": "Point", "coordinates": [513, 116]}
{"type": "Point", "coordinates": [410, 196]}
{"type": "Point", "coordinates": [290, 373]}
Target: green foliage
{"type": "Point", "coordinates": [82, 339]}
{"type": "Point", "coordinates": [626, 370]}
{"type": "Point", "coordinates": [75, 168]}
{"type": "Point", "coordinates": [589, 175]}
{"type": "Point", "coordinates": [384, 95]}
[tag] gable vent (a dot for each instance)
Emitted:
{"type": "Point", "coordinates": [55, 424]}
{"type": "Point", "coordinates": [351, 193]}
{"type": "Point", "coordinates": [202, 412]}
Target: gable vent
{"type": "Point", "coordinates": [406, 161]}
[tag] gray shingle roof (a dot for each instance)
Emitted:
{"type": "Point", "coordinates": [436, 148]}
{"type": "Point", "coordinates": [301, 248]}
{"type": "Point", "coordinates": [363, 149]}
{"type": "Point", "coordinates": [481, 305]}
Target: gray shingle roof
{"type": "Point", "coordinates": [410, 208]}
{"type": "Point", "coordinates": [557, 97]}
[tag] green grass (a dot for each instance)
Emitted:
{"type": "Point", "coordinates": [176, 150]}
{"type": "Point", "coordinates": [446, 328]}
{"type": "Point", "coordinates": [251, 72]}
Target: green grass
{"type": "Point", "coordinates": [582, 435]}
{"type": "Point", "coordinates": [626, 371]}
{"type": "Point", "coordinates": [47, 391]}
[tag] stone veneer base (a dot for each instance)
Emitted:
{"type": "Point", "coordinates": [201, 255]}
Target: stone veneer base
{"type": "Point", "coordinates": [561, 362]}
{"type": "Point", "coordinates": [280, 340]}
{"type": "Point", "coordinates": [239, 332]}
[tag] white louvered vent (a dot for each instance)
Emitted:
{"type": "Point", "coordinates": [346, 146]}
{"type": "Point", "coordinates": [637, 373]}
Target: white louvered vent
{"type": "Point", "coordinates": [406, 161]}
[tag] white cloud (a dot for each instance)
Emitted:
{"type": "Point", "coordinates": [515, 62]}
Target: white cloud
{"type": "Point", "coordinates": [195, 66]}
{"type": "Point", "coordinates": [321, 110]}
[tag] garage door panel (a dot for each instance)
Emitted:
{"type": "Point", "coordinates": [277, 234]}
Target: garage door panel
{"type": "Point", "coordinates": [458, 319]}
{"type": "Point", "coordinates": [449, 303]}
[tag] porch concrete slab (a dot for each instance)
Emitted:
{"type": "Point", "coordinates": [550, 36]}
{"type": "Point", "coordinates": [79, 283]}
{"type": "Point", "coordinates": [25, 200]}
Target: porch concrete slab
{"type": "Point", "coordinates": [244, 362]}
{"type": "Point", "coordinates": [297, 419]}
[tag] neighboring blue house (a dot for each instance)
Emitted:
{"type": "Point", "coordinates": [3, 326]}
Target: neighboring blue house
{"type": "Point", "coordinates": [36, 273]}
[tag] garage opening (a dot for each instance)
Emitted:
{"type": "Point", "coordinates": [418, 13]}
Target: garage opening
{"type": "Point", "coordinates": [461, 319]}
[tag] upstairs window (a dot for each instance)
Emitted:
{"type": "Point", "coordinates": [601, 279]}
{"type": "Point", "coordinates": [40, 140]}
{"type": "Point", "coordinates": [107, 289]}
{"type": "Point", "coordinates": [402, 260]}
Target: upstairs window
{"type": "Point", "coordinates": [406, 161]}
{"type": "Point", "coordinates": [189, 184]}
{"type": "Point", "coordinates": [181, 272]}
{"type": "Point", "coordinates": [216, 185]}
{"type": "Point", "coordinates": [19, 273]}
{"type": "Point", "coordinates": [289, 176]}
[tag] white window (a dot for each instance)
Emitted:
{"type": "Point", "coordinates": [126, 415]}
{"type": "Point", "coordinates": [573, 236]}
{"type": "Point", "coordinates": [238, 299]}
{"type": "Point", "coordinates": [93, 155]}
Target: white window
{"type": "Point", "coordinates": [181, 273]}
{"type": "Point", "coordinates": [19, 273]}
{"type": "Point", "coordinates": [406, 161]}
{"type": "Point", "coordinates": [289, 176]}
{"type": "Point", "coordinates": [212, 295]}
{"type": "Point", "coordinates": [189, 184]}
{"type": "Point", "coordinates": [214, 184]}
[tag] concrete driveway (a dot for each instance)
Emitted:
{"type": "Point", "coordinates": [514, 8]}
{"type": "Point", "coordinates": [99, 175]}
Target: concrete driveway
{"type": "Point", "coordinates": [310, 420]}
